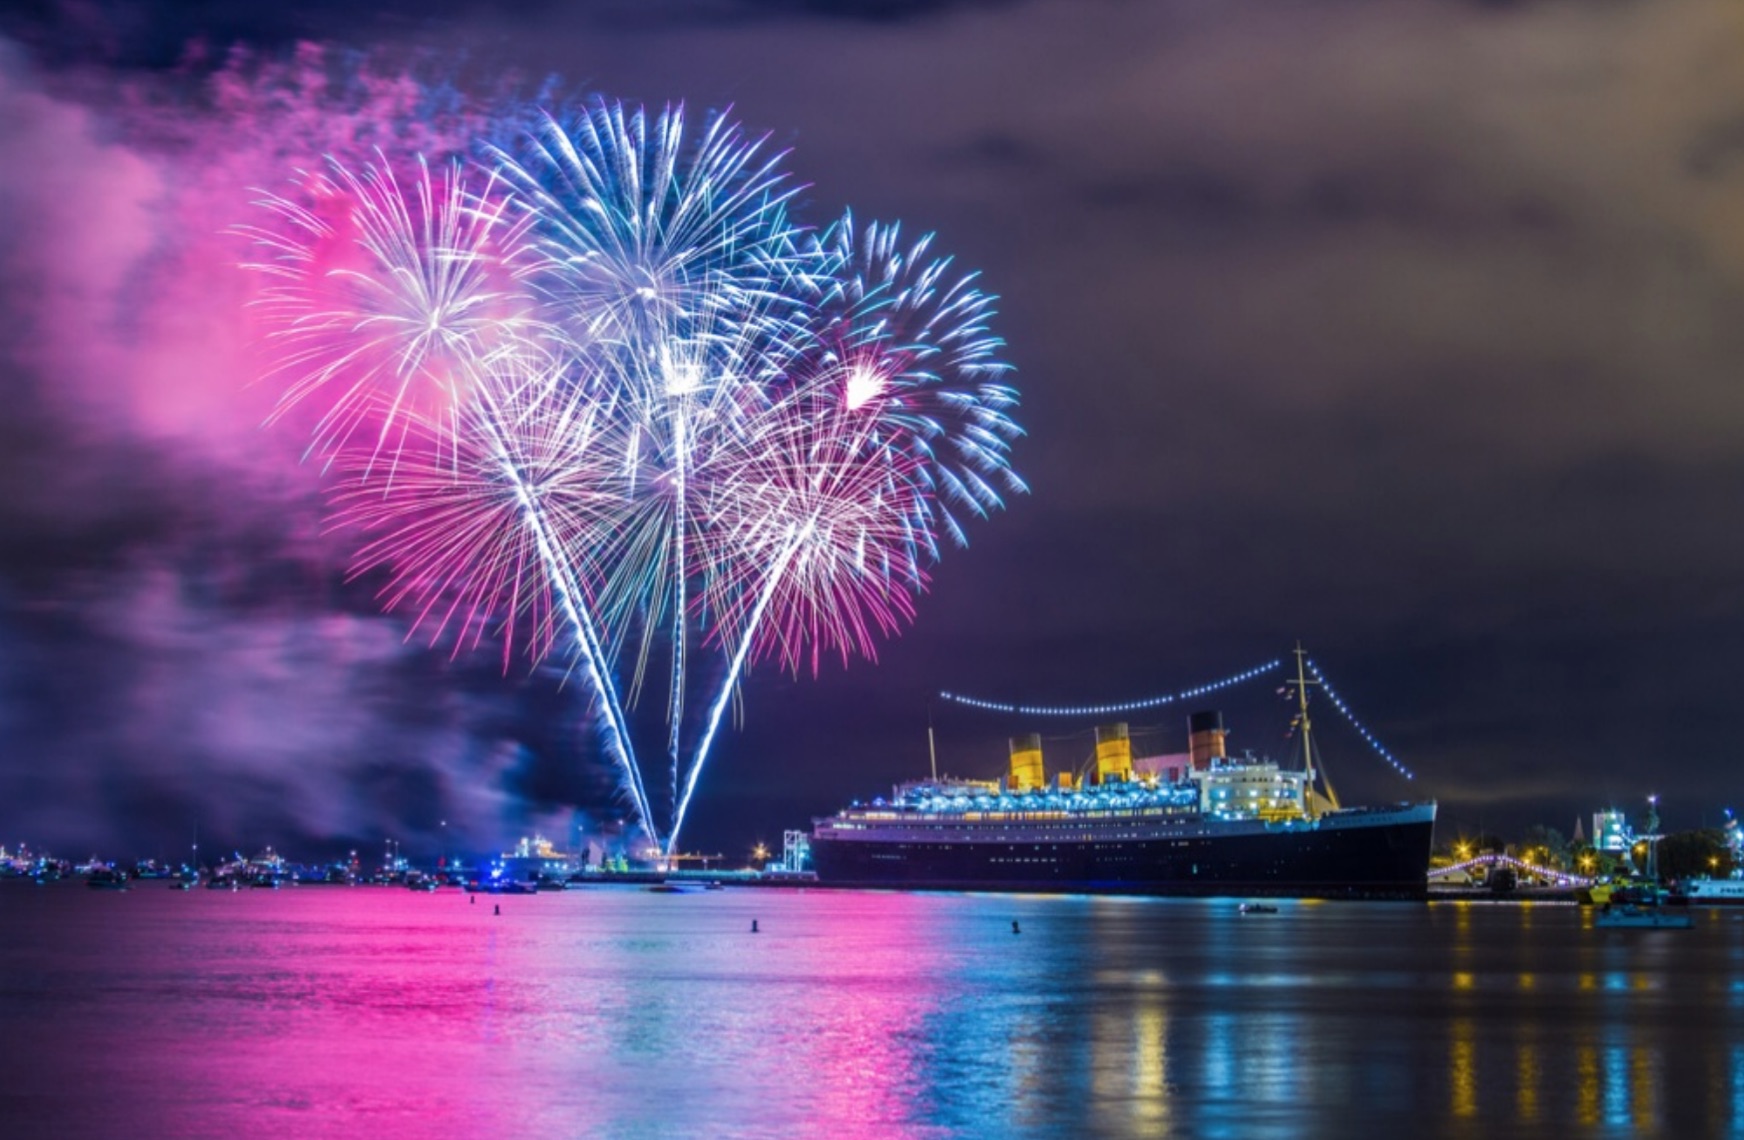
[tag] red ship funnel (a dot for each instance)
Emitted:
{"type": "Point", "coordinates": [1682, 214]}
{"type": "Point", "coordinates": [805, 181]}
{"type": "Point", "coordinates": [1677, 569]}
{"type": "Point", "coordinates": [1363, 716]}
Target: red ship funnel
{"type": "Point", "coordinates": [1205, 735]}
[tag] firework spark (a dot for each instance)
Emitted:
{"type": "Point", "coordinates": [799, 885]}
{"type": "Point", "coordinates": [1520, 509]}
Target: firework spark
{"type": "Point", "coordinates": [911, 342]}
{"type": "Point", "coordinates": [383, 298]}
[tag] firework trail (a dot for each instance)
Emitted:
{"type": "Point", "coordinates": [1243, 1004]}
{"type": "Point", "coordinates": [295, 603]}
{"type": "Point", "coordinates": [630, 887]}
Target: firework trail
{"type": "Point", "coordinates": [813, 525]}
{"type": "Point", "coordinates": [905, 416]}
{"type": "Point", "coordinates": [670, 257]}
{"type": "Point", "coordinates": [607, 385]}
{"type": "Point", "coordinates": [810, 489]}
{"type": "Point", "coordinates": [401, 312]}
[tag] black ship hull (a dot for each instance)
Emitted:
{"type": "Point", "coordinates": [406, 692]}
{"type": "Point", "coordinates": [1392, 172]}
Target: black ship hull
{"type": "Point", "coordinates": [1383, 855]}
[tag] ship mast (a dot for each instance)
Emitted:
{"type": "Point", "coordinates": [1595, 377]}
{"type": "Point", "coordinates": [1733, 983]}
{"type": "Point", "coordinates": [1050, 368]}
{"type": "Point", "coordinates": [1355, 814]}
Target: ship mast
{"type": "Point", "coordinates": [1302, 683]}
{"type": "Point", "coordinates": [932, 749]}
{"type": "Point", "coordinates": [1302, 716]}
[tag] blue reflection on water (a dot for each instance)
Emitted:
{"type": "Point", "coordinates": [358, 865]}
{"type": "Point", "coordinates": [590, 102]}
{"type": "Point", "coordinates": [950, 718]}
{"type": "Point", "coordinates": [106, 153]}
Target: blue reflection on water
{"type": "Point", "coordinates": [1616, 1055]}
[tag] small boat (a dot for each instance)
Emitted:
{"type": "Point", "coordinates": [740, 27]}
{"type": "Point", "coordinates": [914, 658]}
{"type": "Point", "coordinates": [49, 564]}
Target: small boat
{"type": "Point", "coordinates": [500, 887]}
{"type": "Point", "coordinates": [107, 881]}
{"type": "Point", "coordinates": [1258, 908]}
{"type": "Point", "coordinates": [671, 888]}
{"type": "Point", "coordinates": [1646, 917]}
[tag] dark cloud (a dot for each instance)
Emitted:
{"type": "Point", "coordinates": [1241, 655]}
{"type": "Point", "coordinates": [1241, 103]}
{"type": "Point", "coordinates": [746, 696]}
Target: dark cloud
{"type": "Point", "coordinates": [1180, 196]}
{"type": "Point", "coordinates": [997, 151]}
{"type": "Point", "coordinates": [159, 33]}
{"type": "Point", "coordinates": [1718, 150]}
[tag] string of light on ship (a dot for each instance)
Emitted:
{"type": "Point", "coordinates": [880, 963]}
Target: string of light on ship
{"type": "Point", "coordinates": [1105, 710]}
{"type": "Point", "coordinates": [1338, 703]}
{"type": "Point", "coordinates": [1186, 695]}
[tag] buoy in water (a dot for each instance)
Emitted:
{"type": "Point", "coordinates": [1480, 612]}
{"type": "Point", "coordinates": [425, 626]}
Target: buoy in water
{"type": "Point", "coordinates": [1014, 928]}
{"type": "Point", "coordinates": [753, 926]}
{"type": "Point", "coordinates": [498, 909]}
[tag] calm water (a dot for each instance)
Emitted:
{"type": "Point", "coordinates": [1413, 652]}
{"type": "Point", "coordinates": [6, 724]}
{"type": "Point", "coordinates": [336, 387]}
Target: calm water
{"type": "Point", "coordinates": [616, 1012]}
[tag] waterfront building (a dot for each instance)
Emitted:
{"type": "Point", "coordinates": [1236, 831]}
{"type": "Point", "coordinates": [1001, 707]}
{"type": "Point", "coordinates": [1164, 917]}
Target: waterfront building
{"type": "Point", "coordinates": [1611, 831]}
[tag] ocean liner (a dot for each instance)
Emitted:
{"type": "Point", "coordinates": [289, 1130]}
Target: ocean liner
{"type": "Point", "coordinates": [1201, 823]}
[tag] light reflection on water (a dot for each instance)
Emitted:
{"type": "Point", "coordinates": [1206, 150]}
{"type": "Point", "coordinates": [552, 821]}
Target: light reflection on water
{"type": "Point", "coordinates": [1737, 1112]}
{"type": "Point", "coordinates": [615, 1012]}
{"type": "Point", "coordinates": [1616, 1084]}
{"type": "Point", "coordinates": [1587, 1085]}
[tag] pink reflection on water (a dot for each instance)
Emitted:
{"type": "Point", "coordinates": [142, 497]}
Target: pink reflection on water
{"type": "Point", "coordinates": [326, 1011]}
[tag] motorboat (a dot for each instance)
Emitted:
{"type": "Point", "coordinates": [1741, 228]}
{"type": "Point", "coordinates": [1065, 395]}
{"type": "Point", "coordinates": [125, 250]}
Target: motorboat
{"type": "Point", "coordinates": [1653, 917]}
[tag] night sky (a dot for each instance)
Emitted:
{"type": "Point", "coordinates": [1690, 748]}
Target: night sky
{"type": "Point", "coordinates": [1410, 331]}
